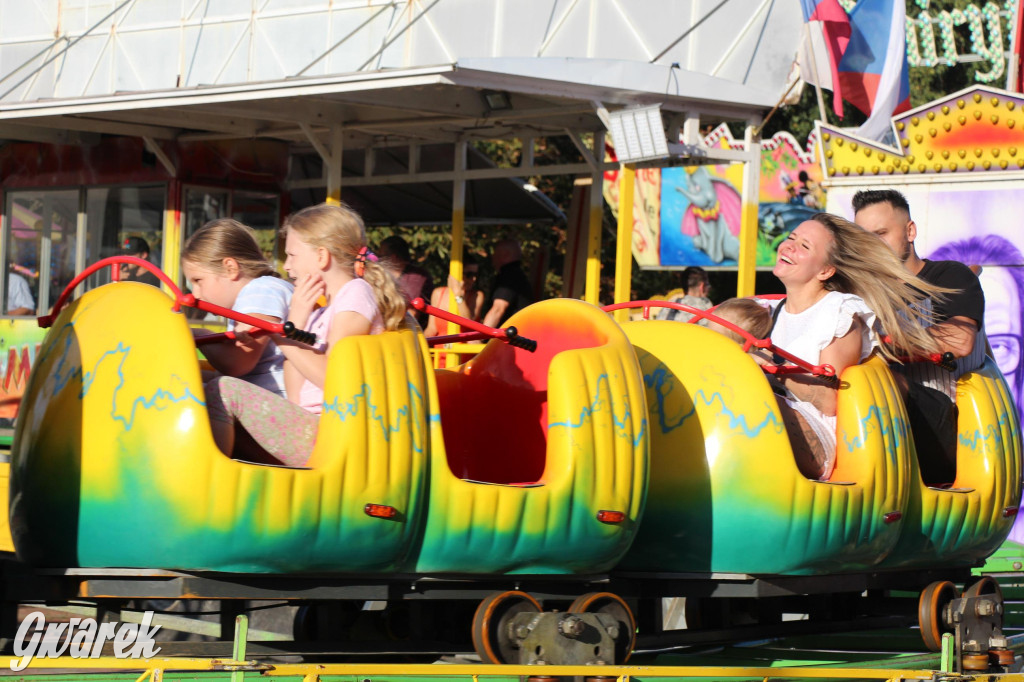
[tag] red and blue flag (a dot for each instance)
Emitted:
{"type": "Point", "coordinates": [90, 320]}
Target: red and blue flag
{"type": "Point", "coordinates": [873, 71]}
{"type": "Point", "coordinates": [829, 28]}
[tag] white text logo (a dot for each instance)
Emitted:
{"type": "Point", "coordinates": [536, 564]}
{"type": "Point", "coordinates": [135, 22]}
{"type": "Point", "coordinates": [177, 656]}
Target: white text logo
{"type": "Point", "coordinates": [82, 638]}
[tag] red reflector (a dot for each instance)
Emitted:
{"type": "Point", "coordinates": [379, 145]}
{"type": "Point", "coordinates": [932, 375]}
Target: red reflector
{"type": "Point", "coordinates": [605, 516]}
{"type": "Point", "coordinates": [381, 511]}
{"type": "Point", "coordinates": [892, 517]}
{"type": "Point", "coordinates": [1010, 511]}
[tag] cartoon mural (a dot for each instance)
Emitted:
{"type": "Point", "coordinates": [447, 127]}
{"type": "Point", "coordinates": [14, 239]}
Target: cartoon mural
{"type": "Point", "coordinates": [700, 216]}
{"type": "Point", "coordinates": [691, 215]}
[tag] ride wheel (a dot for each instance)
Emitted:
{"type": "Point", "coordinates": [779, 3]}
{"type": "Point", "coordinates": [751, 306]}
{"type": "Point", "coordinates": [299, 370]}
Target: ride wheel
{"type": "Point", "coordinates": [491, 636]}
{"type": "Point", "coordinates": [984, 586]}
{"type": "Point", "coordinates": [930, 606]}
{"type": "Point", "coordinates": [612, 605]}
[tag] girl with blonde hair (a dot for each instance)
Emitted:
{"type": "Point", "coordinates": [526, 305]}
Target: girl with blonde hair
{"type": "Point", "coordinates": [328, 257]}
{"type": "Point", "coordinates": [843, 286]}
{"type": "Point", "coordinates": [223, 264]}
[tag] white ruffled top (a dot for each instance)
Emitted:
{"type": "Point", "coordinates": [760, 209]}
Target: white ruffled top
{"type": "Point", "coordinates": [807, 333]}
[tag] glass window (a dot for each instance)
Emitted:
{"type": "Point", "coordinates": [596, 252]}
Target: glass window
{"type": "Point", "coordinates": [202, 206]}
{"type": "Point", "coordinates": [124, 220]}
{"type": "Point", "coordinates": [40, 248]}
{"type": "Point", "coordinates": [261, 212]}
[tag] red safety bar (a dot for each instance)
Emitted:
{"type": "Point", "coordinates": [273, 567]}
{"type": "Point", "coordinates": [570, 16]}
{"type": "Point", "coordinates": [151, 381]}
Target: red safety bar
{"type": "Point", "coordinates": [180, 299]}
{"type": "Point", "coordinates": [509, 335]}
{"type": "Point", "coordinates": [798, 365]}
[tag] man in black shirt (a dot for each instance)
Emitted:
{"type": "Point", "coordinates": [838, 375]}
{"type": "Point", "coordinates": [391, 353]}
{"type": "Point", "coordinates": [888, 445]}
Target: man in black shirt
{"type": "Point", "coordinates": [930, 390]}
{"type": "Point", "coordinates": [512, 291]}
{"type": "Point", "coordinates": [138, 247]}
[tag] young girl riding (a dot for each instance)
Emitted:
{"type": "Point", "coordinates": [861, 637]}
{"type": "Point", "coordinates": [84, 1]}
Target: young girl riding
{"type": "Point", "coordinates": [224, 265]}
{"type": "Point", "coordinates": [327, 256]}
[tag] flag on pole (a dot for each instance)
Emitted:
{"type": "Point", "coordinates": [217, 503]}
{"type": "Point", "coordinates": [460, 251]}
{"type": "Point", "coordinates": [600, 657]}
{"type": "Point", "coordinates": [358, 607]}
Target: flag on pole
{"type": "Point", "coordinates": [874, 73]}
{"type": "Point", "coordinates": [825, 40]}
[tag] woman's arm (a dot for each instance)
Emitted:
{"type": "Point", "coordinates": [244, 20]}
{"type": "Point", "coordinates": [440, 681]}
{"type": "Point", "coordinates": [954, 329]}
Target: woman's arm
{"type": "Point", "coordinates": [843, 352]}
{"type": "Point", "coordinates": [312, 363]}
{"type": "Point", "coordinates": [239, 357]}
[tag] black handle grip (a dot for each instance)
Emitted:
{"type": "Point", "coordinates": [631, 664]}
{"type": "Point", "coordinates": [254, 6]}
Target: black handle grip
{"type": "Point", "coordinates": [948, 361]}
{"type": "Point", "coordinates": [513, 339]}
{"type": "Point", "coordinates": [300, 335]}
{"type": "Point", "coordinates": [830, 380]}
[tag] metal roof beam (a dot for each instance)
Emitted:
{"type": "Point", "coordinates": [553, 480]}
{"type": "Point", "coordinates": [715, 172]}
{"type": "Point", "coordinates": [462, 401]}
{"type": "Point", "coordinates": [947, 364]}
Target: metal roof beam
{"type": "Point", "coordinates": [32, 133]}
{"type": "Point", "coordinates": [108, 127]}
{"type": "Point", "coordinates": [448, 176]}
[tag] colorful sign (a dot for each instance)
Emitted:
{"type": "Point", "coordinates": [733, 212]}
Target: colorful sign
{"type": "Point", "coordinates": [691, 215]}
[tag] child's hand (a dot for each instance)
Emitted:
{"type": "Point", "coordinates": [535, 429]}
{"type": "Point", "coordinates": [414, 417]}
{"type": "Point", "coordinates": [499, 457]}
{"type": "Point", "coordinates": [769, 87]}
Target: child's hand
{"type": "Point", "coordinates": [308, 289]}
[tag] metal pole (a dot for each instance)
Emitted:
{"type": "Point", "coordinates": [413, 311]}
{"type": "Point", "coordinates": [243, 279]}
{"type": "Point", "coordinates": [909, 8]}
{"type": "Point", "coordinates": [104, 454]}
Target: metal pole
{"type": "Point", "coordinates": [624, 243]}
{"type": "Point", "coordinates": [592, 284]}
{"type": "Point", "coordinates": [747, 264]}
{"type": "Point", "coordinates": [814, 70]}
{"type": "Point", "coordinates": [334, 166]}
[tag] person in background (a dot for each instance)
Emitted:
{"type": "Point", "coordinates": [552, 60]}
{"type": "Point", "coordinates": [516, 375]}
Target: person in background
{"type": "Point", "coordinates": [413, 280]}
{"type": "Point", "coordinates": [469, 300]}
{"type": "Point", "coordinates": [138, 247]}
{"type": "Point", "coordinates": [957, 327]}
{"type": "Point", "coordinates": [512, 291]}
{"type": "Point", "coordinates": [19, 296]}
{"type": "Point", "coordinates": [695, 281]}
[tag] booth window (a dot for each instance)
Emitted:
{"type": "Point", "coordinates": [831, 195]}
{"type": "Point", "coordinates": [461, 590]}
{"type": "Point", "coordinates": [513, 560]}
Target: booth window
{"type": "Point", "coordinates": [123, 220]}
{"type": "Point", "coordinates": [39, 249]}
{"type": "Point", "coordinates": [259, 210]}
{"type": "Point", "coordinates": [54, 234]}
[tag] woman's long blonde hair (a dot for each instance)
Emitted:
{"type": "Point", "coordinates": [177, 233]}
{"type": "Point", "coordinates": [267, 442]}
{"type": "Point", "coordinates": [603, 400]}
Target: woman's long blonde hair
{"type": "Point", "coordinates": [227, 238]}
{"type": "Point", "coordinates": [340, 230]}
{"type": "Point", "coordinates": [867, 267]}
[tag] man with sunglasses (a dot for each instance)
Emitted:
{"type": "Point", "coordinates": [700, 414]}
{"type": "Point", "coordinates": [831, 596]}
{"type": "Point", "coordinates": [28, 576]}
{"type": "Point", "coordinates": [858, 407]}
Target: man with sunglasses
{"type": "Point", "coordinates": [930, 390]}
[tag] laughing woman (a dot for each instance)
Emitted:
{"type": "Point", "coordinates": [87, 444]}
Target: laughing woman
{"type": "Point", "coordinates": [843, 285]}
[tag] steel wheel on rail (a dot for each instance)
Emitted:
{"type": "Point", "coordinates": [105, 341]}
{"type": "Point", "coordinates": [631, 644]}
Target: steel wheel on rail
{"type": "Point", "coordinates": [491, 636]}
{"type": "Point", "coordinates": [612, 605]}
{"type": "Point", "coordinates": [930, 606]}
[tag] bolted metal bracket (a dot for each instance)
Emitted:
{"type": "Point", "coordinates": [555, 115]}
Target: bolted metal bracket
{"type": "Point", "coordinates": [565, 638]}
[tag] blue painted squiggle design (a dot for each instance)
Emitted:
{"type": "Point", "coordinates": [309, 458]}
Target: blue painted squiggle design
{"type": "Point", "coordinates": [160, 400]}
{"type": "Point", "coordinates": [600, 403]}
{"type": "Point", "coordinates": [65, 372]}
{"type": "Point", "coordinates": [411, 414]}
{"type": "Point", "coordinates": [662, 382]}
{"type": "Point", "coordinates": [892, 436]}
{"type": "Point", "coordinates": [738, 420]}
{"type": "Point", "coordinates": [992, 438]}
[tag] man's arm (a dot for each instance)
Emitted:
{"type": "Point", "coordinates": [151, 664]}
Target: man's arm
{"type": "Point", "coordinates": [956, 335]}
{"type": "Point", "coordinates": [493, 316]}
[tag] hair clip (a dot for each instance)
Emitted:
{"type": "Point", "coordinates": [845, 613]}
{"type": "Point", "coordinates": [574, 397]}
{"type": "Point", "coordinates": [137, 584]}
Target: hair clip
{"type": "Point", "coordinates": [360, 265]}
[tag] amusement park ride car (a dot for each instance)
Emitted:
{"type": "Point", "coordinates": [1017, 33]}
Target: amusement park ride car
{"type": "Point", "coordinates": [573, 464]}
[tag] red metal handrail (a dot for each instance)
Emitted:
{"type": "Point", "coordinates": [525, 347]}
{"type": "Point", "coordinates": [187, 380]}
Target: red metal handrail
{"type": "Point", "coordinates": [509, 335]}
{"type": "Point", "coordinates": [799, 365]}
{"type": "Point", "coordinates": [180, 299]}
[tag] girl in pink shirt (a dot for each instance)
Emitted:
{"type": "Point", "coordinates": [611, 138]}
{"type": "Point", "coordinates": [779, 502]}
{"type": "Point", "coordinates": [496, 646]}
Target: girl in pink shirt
{"type": "Point", "coordinates": [327, 256]}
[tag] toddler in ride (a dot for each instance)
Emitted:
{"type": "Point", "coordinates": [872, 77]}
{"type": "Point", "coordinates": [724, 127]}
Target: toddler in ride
{"type": "Point", "coordinates": [224, 265]}
{"type": "Point", "coordinates": [327, 256]}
